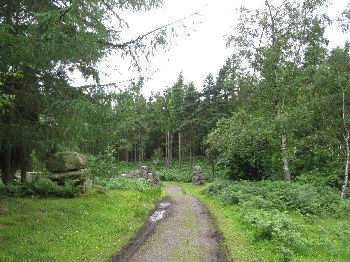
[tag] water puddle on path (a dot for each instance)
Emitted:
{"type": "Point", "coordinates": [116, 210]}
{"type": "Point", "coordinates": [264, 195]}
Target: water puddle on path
{"type": "Point", "coordinates": [160, 212]}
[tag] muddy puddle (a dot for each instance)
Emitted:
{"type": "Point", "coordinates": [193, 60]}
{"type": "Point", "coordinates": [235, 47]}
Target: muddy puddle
{"type": "Point", "coordinates": [160, 212]}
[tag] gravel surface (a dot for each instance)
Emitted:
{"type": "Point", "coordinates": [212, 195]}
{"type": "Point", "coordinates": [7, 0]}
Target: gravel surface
{"type": "Point", "coordinates": [186, 234]}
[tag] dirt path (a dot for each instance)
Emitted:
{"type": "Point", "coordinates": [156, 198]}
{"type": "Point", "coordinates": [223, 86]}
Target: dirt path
{"type": "Point", "coordinates": [186, 234]}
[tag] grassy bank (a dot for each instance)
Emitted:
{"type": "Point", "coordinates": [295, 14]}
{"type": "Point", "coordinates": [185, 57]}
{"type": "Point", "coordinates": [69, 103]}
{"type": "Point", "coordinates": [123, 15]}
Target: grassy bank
{"type": "Point", "coordinates": [253, 233]}
{"type": "Point", "coordinates": [88, 228]}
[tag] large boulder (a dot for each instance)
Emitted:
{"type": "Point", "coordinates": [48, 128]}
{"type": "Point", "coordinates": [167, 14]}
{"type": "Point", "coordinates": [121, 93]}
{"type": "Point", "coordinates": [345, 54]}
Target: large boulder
{"type": "Point", "coordinates": [198, 177]}
{"type": "Point", "coordinates": [66, 162]}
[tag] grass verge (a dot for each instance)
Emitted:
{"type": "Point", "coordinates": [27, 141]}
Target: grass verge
{"type": "Point", "coordinates": [326, 238]}
{"type": "Point", "coordinates": [88, 228]}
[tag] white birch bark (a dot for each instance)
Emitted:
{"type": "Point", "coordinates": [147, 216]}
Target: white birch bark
{"type": "Point", "coordinates": [345, 186]}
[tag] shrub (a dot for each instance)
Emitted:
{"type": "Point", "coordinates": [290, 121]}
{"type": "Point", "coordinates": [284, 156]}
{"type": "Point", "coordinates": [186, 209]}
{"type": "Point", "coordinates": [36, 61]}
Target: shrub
{"type": "Point", "coordinates": [278, 228]}
{"type": "Point", "coordinates": [45, 187]}
{"type": "Point", "coordinates": [321, 178]}
{"type": "Point", "coordinates": [274, 225]}
{"type": "Point", "coordinates": [269, 209]}
{"type": "Point", "coordinates": [14, 189]}
{"type": "Point", "coordinates": [101, 167]}
{"type": "Point", "coordinates": [342, 231]}
{"type": "Point", "coordinates": [172, 173]}
{"type": "Point", "coordinates": [40, 187]}
{"type": "Point", "coordinates": [304, 198]}
{"type": "Point", "coordinates": [109, 167]}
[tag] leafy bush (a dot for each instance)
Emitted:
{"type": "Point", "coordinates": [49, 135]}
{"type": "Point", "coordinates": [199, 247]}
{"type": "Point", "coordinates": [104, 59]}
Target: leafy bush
{"type": "Point", "coordinates": [45, 187]}
{"type": "Point", "coordinates": [108, 167]}
{"type": "Point", "coordinates": [102, 167]}
{"type": "Point", "coordinates": [172, 172]}
{"type": "Point", "coordinates": [284, 235]}
{"type": "Point", "coordinates": [249, 151]}
{"type": "Point", "coordinates": [341, 231]}
{"type": "Point", "coordinates": [275, 226]}
{"type": "Point", "coordinates": [41, 187]}
{"type": "Point", "coordinates": [320, 178]}
{"type": "Point", "coordinates": [304, 198]}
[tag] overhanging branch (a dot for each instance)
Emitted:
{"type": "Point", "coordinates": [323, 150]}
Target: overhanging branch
{"type": "Point", "coordinates": [145, 35]}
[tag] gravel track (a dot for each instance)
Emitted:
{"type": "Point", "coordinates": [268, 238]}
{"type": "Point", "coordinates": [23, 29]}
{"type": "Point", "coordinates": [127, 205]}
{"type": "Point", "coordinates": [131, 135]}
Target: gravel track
{"type": "Point", "coordinates": [186, 234]}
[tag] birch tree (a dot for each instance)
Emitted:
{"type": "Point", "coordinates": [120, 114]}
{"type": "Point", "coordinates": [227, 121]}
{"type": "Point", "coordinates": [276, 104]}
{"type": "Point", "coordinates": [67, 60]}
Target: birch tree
{"type": "Point", "coordinates": [336, 81]}
{"type": "Point", "coordinates": [272, 42]}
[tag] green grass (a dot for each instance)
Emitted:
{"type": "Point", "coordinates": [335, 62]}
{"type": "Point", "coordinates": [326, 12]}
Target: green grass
{"type": "Point", "coordinates": [89, 228]}
{"type": "Point", "coordinates": [327, 237]}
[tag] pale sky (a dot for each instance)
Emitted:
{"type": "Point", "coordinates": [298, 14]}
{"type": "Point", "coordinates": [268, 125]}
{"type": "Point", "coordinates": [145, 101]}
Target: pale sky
{"type": "Point", "coordinates": [197, 54]}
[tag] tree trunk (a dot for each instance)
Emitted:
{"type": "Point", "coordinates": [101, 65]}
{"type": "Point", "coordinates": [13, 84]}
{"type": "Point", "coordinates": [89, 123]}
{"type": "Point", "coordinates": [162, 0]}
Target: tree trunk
{"type": "Point", "coordinates": [171, 148]}
{"type": "Point", "coordinates": [140, 148]}
{"type": "Point", "coordinates": [345, 187]}
{"type": "Point", "coordinates": [191, 160]}
{"type": "Point", "coordinates": [25, 164]}
{"type": "Point", "coordinates": [135, 152]}
{"type": "Point", "coordinates": [23, 176]}
{"type": "Point", "coordinates": [142, 153]}
{"type": "Point", "coordinates": [284, 151]}
{"type": "Point", "coordinates": [167, 149]}
{"type": "Point", "coordinates": [7, 175]}
{"type": "Point", "coordinates": [180, 153]}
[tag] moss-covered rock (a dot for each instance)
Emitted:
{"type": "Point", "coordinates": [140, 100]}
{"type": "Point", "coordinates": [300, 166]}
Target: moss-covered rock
{"type": "Point", "coordinates": [65, 162]}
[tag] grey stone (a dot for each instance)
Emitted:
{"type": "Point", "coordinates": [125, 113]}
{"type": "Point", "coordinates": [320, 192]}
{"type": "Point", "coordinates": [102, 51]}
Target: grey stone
{"type": "Point", "coordinates": [164, 205]}
{"type": "Point", "coordinates": [65, 162]}
{"type": "Point", "coordinates": [198, 177]}
{"type": "Point", "coordinates": [197, 169]}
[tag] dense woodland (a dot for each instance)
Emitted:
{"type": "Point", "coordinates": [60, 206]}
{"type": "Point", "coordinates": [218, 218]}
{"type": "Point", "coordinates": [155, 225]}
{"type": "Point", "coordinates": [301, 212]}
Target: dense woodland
{"type": "Point", "coordinates": [271, 130]}
{"type": "Point", "coordinates": [278, 108]}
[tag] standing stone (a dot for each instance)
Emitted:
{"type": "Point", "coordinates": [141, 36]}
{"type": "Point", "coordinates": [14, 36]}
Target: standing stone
{"type": "Point", "coordinates": [69, 166]}
{"type": "Point", "coordinates": [198, 176]}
